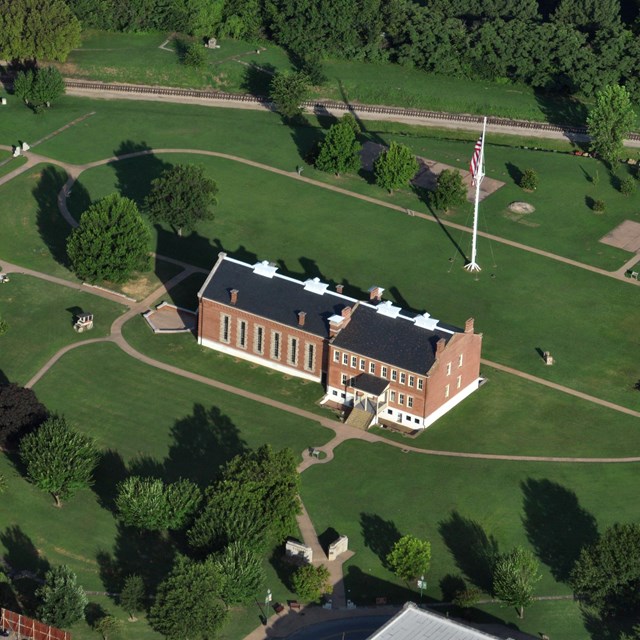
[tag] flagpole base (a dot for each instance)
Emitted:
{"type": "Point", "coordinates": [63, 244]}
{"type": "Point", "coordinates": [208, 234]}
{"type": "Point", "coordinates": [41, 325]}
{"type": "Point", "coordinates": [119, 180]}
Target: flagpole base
{"type": "Point", "coordinates": [472, 267]}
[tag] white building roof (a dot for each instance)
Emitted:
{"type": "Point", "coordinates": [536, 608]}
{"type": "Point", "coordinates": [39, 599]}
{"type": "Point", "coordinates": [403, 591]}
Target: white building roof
{"type": "Point", "coordinates": [413, 623]}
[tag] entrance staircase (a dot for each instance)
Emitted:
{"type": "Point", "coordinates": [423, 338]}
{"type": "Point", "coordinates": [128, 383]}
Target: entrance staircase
{"type": "Point", "coordinates": [360, 419]}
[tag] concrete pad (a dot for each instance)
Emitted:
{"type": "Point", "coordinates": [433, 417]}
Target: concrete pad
{"type": "Point", "coordinates": [167, 318]}
{"type": "Point", "coordinates": [625, 236]}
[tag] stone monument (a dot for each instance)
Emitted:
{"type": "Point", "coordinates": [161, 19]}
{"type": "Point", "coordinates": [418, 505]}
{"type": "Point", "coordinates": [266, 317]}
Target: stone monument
{"type": "Point", "coordinates": [298, 551]}
{"type": "Point", "coordinates": [338, 547]}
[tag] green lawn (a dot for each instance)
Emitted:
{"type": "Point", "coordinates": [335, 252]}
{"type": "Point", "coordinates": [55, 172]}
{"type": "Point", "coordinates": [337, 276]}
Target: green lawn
{"type": "Point", "coordinates": [40, 317]}
{"type": "Point", "coordinates": [138, 58]}
{"type": "Point", "coordinates": [508, 415]}
{"type": "Point", "coordinates": [182, 350]}
{"type": "Point", "coordinates": [146, 421]}
{"type": "Point", "coordinates": [253, 221]}
{"type": "Point", "coordinates": [467, 509]}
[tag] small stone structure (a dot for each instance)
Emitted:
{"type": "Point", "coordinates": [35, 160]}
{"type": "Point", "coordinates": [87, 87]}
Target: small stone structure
{"type": "Point", "coordinates": [548, 358]}
{"type": "Point", "coordinates": [84, 322]}
{"type": "Point", "coordinates": [298, 551]}
{"type": "Point", "coordinates": [212, 43]}
{"type": "Point", "coordinates": [337, 548]}
{"type": "Point", "coordinates": [16, 152]}
{"type": "Point", "coordinates": [167, 318]}
{"type": "Point", "coordinates": [25, 146]}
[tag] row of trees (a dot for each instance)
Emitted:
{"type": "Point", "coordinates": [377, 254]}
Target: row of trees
{"type": "Point", "coordinates": [38, 87]}
{"type": "Point", "coordinates": [112, 239]}
{"type": "Point", "coordinates": [567, 45]}
{"type": "Point", "coordinates": [250, 507]}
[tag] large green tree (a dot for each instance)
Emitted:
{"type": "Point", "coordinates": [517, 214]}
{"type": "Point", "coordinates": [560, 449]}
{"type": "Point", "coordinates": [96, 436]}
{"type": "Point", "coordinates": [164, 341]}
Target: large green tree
{"type": "Point", "coordinates": [607, 573]}
{"type": "Point", "coordinates": [609, 121]}
{"type": "Point", "coordinates": [181, 197]}
{"type": "Point", "coordinates": [514, 577]}
{"type": "Point", "coordinates": [339, 151]}
{"type": "Point", "coordinates": [288, 91]}
{"type": "Point", "coordinates": [254, 501]}
{"type": "Point", "coordinates": [395, 167]}
{"type": "Point", "coordinates": [410, 557]}
{"type": "Point", "coordinates": [149, 503]}
{"type": "Point", "coordinates": [62, 599]}
{"type": "Point", "coordinates": [111, 241]}
{"type": "Point", "coordinates": [37, 30]}
{"type": "Point", "coordinates": [450, 190]}
{"type": "Point", "coordinates": [188, 603]}
{"type": "Point", "coordinates": [241, 571]}
{"type": "Point", "coordinates": [133, 595]}
{"type": "Point", "coordinates": [58, 459]}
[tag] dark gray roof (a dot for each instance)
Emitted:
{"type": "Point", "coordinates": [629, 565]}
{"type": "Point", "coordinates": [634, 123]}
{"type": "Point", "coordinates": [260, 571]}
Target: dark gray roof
{"type": "Point", "coordinates": [278, 298]}
{"type": "Point", "coordinates": [396, 341]}
{"type": "Point", "coordinates": [370, 384]}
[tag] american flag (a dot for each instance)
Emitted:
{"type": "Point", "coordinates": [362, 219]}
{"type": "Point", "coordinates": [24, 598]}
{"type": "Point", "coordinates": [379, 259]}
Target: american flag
{"type": "Point", "coordinates": [475, 159]}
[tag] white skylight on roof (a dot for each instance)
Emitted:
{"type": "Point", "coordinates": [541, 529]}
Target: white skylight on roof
{"type": "Point", "coordinates": [425, 321]}
{"type": "Point", "coordinates": [264, 269]}
{"type": "Point", "coordinates": [315, 286]}
{"type": "Point", "coordinates": [387, 309]}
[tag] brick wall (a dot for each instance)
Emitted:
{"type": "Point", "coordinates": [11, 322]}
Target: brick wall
{"type": "Point", "coordinates": [254, 338]}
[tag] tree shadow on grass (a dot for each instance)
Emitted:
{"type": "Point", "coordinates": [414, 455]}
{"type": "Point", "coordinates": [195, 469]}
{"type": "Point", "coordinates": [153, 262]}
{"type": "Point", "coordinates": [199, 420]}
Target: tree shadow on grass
{"type": "Point", "coordinates": [109, 473]}
{"type": "Point", "coordinates": [379, 535]}
{"type": "Point", "coordinates": [24, 565]}
{"type": "Point", "coordinates": [515, 173]}
{"type": "Point", "coordinates": [193, 248]}
{"type": "Point", "coordinates": [257, 78]}
{"type": "Point", "coordinates": [202, 443]}
{"type": "Point", "coordinates": [608, 628]}
{"type": "Point", "coordinates": [307, 138]}
{"type": "Point", "coordinates": [561, 109]}
{"type": "Point", "coordinates": [148, 554]}
{"type": "Point", "coordinates": [52, 227]}
{"type": "Point", "coordinates": [450, 586]}
{"type": "Point", "coordinates": [557, 526]}
{"type": "Point", "coordinates": [135, 174]}
{"type": "Point", "coordinates": [472, 549]}
{"type": "Point", "coordinates": [363, 589]}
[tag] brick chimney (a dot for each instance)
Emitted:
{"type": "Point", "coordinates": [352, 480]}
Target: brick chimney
{"type": "Point", "coordinates": [234, 296]}
{"type": "Point", "coordinates": [441, 344]}
{"type": "Point", "coordinates": [301, 318]}
{"type": "Point", "coordinates": [346, 312]}
{"type": "Point", "coordinates": [375, 294]}
{"type": "Point", "coordinates": [468, 326]}
{"type": "Point", "coordinates": [339, 288]}
{"type": "Point", "coordinates": [339, 321]}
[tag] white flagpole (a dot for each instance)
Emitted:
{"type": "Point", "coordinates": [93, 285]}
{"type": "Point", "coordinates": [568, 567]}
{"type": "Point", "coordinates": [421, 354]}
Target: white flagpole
{"type": "Point", "coordinates": [473, 265]}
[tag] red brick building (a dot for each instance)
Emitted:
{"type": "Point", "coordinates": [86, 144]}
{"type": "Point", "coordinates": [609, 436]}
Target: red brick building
{"type": "Point", "coordinates": [387, 364]}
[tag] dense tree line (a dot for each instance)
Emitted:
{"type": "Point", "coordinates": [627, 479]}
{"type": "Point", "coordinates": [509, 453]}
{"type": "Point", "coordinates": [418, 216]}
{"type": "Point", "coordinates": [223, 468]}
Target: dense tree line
{"type": "Point", "coordinates": [563, 46]}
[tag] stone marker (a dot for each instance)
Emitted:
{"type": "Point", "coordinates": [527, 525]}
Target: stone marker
{"type": "Point", "coordinates": [299, 551]}
{"type": "Point", "coordinates": [25, 146]}
{"type": "Point", "coordinates": [338, 548]}
{"type": "Point", "coordinates": [3, 101]}
{"type": "Point", "coordinates": [16, 152]}
{"type": "Point", "coordinates": [548, 360]}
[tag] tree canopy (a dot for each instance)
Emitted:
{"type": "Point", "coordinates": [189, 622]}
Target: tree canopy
{"type": "Point", "coordinates": [339, 151]}
{"type": "Point", "coordinates": [149, 503]}
{"type": "Point", "coordinates": [39, 88]}
{"type": "Point", "coordinates": [181, 197]}
{"type": "Point", "coordinates": [609, 121]}
{"type": "Point", "coordinates": [132, 597]}
{"type": "Point", "coordinates": [58, 459]}
{"type": "Point", "coordinates": [514, 577]}
{"type": "Point", "coordinates": [37, 30]}
{"type": "Point", "coordinates": [288, 91]}
{"type": "Point", "coordinates": [20, 412]}
{"type": "Point", "coordinates": [111, 241]}
{"type": "Point", "coordinates": [450, 190]}
{"type": "Point", "coordinates": [395, 167]}
{"type": "Point", "coordinates": [410, 558]}
{"type": "Point", "coordinates": [62, 599]}
{"type": "Point", "coordinates": [188, 602]}
{"type": "Point", "coordinates": [310, 582]}
{"type": "Point", "coordinates": [254, 501]}
{"type": "Point", "coordinates": [607, 573]}
{"type": "Point", "coordinates": [241, 571]}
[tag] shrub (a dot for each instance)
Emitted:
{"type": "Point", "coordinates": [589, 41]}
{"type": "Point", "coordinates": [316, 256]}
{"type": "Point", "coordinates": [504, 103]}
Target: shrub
{"type": "Point", "coordinates": [529, 180]}
{"type": "Point", "coordinates": [598, 206]}
{"type": "Point", "coordinates": [627, 186]}
{"type": "Point", "coordinates": [195, 56]}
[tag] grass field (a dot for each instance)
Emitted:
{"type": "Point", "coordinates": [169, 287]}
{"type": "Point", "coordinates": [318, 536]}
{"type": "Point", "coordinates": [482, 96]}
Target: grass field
{"type": "Point", "coordinates": [236, 67]}
{"type": "Point", "coordinates": [253, 221]}
{"type": "Point", "coordinates": [145, 421]}
{"type": "Point", "coordinates": [40, 317]}
{"type": "Point", "coordinates": [468, 510]}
